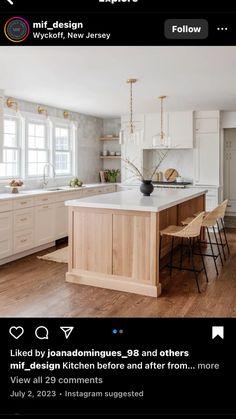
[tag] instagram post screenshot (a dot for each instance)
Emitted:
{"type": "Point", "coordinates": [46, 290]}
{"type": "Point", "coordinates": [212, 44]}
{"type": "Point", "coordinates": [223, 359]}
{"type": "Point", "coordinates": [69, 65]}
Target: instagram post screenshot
{"type": "Point", "coordinates": [117, 209]}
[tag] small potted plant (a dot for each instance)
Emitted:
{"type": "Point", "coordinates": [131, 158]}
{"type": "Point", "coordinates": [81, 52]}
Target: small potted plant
{"type": "Point", "coordinates": [112, 175]}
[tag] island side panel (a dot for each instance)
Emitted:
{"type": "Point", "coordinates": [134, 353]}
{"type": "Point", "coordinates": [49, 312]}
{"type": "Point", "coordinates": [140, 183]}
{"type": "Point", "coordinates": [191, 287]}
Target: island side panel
{"type": "Point", "coordinates": [92, 240]}
{"type": "Point", "coordinates": [132, 245]}
{"type": "Point", "coordinates": [190, 207]}
{"type": "Point", "coordinates": [123, 249]}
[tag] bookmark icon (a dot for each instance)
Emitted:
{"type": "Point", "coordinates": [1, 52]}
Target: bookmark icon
{"type": "Point", "coordinates": [67, 330]}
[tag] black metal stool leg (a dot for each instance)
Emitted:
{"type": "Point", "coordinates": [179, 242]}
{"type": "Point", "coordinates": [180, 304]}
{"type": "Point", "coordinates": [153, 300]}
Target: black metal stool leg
{"type": "Point", "coordinates": [202, 258]}
{"type": "Point", "coordinates": [171, 255]}
{"type": "Point", "coordinates": [218, 247]}
{"type": "Point", "coordinates": [225, 236]}
{"type": "Point", "coordinates": [193, 266]}
{"type": "Point", "coordinates": [212, 251]}
{"type": "Point", "coordinates": [221, 241]}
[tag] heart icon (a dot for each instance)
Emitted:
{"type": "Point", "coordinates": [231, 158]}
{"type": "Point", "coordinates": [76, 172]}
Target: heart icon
{"type": "Point", "coordinates": [16, 331]}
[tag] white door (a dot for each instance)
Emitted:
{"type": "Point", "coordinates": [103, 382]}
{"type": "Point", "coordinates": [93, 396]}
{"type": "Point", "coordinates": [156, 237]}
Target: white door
{"type": "Point", "coordinates": [44, 224]}
{"type": "Point", "coordinates": [230, 168]}
{"type": "Point", "coordinates": [61, 220]}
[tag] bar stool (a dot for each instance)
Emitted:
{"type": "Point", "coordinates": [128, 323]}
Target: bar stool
{"type": "Point", "coordinates": [210, 220]}
{"type": "Point", "coordinates": [191, 231]}
{"type": "Point", "coordinates": [221, 215]}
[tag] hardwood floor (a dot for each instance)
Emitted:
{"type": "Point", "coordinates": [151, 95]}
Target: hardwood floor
{"type": "Point", "coordinates": [36, 288]}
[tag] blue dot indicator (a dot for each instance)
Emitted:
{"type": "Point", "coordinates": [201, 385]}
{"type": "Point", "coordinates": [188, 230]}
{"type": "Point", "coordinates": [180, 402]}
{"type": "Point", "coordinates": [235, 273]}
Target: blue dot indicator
{"type": "Point", "coordinates": [114, 331]}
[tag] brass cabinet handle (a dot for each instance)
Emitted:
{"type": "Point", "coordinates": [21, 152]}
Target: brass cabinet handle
{"type": "Point", "coordinates": [23, 241]}
{"type": "Point", "coordinates": [23, 219]}
{"type": "Point", "coordinates": [23, 202]}
{"type": "Point", "coordinates": [45, 207]}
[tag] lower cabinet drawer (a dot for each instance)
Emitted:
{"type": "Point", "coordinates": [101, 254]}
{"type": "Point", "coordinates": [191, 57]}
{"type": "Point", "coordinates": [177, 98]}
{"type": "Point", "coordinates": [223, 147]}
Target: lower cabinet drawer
{"type": "Point", "coordinates": [23, 241]}
{"type": "Point", "coordinates": [6, 248]}
{"type": "Point", "coordinates": [24, 219]}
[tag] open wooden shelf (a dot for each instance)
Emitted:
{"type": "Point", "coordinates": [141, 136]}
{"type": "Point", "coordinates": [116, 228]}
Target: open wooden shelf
{"type": "Point", "coordinates": [109, 138]}
{"type": "Point", "coordinates": [110, 157]}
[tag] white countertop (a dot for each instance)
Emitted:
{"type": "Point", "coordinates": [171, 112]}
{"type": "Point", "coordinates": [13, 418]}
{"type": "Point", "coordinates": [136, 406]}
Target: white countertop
{"type": "Point", "coordinates": [56, 189]}
{"type": "Point", "coordinates": [133, 200]}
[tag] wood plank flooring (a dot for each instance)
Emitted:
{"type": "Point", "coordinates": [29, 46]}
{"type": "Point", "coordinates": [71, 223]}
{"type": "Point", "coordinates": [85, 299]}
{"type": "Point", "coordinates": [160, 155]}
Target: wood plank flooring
{"type": "Point", "coordinates": [36, 288]}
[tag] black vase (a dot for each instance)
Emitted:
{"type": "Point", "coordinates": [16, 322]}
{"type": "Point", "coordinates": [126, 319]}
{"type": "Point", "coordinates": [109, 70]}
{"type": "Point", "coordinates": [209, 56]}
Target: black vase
{"type": "Point", "coordinates": [146, 187]}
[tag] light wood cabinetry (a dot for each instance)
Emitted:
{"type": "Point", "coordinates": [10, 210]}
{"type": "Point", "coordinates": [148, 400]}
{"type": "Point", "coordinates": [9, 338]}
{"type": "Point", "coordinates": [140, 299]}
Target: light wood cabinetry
{"type": "Point", "coordinates": [23, 219]}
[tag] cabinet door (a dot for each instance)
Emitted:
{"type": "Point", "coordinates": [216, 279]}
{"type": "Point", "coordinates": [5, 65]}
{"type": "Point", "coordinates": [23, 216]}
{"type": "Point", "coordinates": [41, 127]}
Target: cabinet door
{"type": "Point", "coordinates": [181, 129]}
{"type": "Point", "coordinates": [207, 159]}
{"type": "Point", "coordinates": [61, 220]}
{"type": "Point", "coordinates": [44, 224]}
{"type": "Point", "coordinates": [206, 125]}
{"type": "Point", "coordinates": [153, 127]}
{"type": "Point", "coordinates": [6, 242]}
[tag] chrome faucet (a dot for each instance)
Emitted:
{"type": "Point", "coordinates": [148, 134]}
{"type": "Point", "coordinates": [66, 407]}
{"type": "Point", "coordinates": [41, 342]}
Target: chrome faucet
{"type": "Point", "coordinates": [45, 182]}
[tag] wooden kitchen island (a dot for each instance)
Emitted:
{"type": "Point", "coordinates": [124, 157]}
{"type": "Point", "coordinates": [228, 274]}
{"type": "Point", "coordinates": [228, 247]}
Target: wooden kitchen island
{"type": "Point", "coordinates": [114, 238]}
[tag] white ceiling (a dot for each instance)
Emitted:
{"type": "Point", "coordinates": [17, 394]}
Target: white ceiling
{"type": "Point", "coordinates": [91, 80]}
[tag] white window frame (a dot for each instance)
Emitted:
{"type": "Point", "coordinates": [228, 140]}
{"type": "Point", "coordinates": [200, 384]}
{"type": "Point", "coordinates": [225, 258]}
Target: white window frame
{"type": "Point", "coordinates": [69, 150]}
{"type": "Point", "coordinates": [9, 114]}
{"type": "Point", "coordinates": [34, 119]}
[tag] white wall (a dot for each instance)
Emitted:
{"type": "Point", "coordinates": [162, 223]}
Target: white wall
{"type": "Point", "coordinates": [181, 160]}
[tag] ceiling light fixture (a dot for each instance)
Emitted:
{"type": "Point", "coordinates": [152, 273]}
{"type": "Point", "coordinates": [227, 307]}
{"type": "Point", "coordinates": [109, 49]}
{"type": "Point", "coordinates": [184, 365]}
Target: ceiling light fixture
{"type": "Point", "coordinates": [130, 134]}
{"type": "Point", "coordinates": [161, 139]}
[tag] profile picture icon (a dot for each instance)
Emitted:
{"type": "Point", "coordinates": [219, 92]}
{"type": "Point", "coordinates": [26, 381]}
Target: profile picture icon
{"type": "Point", "coordinates": [17, 29]}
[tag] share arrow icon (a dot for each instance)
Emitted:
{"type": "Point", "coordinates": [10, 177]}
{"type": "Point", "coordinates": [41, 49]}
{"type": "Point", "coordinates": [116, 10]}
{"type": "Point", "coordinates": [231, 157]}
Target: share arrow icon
{"type": "Point", "coordinates": [67, 330]}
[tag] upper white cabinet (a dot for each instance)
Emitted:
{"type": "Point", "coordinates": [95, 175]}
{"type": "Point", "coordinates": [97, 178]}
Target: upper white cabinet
{"type": "Point", "coordinates": [206, 125]}
{"type": "Point", "coordinates": [178, 127]}
{"type": "Point", "coordinates": [181, 129]}
{"type": "Point", "coordinates": [207, 148]}
{"type": "Point", "coordinates": [153, 127]}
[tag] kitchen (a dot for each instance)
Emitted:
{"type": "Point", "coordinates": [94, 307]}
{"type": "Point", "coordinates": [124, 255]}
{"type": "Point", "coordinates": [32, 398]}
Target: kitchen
{"type": "Point", "coordinates": [54, 138]}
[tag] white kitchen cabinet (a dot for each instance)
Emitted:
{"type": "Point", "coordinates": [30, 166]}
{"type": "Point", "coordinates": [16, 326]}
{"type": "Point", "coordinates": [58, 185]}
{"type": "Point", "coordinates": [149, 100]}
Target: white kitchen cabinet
{"type": "Point", "coordinates": [6, 236]}
{"type": "Point", "coordinates": [181, 129]}
{"type": "Point", "coordinates": [61, 220]}
{"type": "Point", "coordinates": [44, 224]}
{"type": "Point", "coordinates": [207, 159]}
{"type": "Point", "coordinates": [153, 128]}
{"type": "Point", "coordinates": [177, 126]}
{"type": "Point", "coordinates": [23, 240]}
{"type": "Point", "coordinates": [23, 219]}
{"type": "Point", "coordinates": [206, 125]}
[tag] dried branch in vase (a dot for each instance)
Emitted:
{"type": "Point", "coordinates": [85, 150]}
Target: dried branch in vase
{"type": "Point", "coordinates": [138, 173]}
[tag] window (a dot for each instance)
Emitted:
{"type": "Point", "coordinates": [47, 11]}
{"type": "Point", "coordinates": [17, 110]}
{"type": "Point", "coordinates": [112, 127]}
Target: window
{"type": "Point", "coordinates": [37, 148]}
{"type": "Point", "coordinates": [62, 150]}
{"type": "Point", "coordinates": [11, 152]}
{"type": "Point", "coordinates": [31, 141]}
